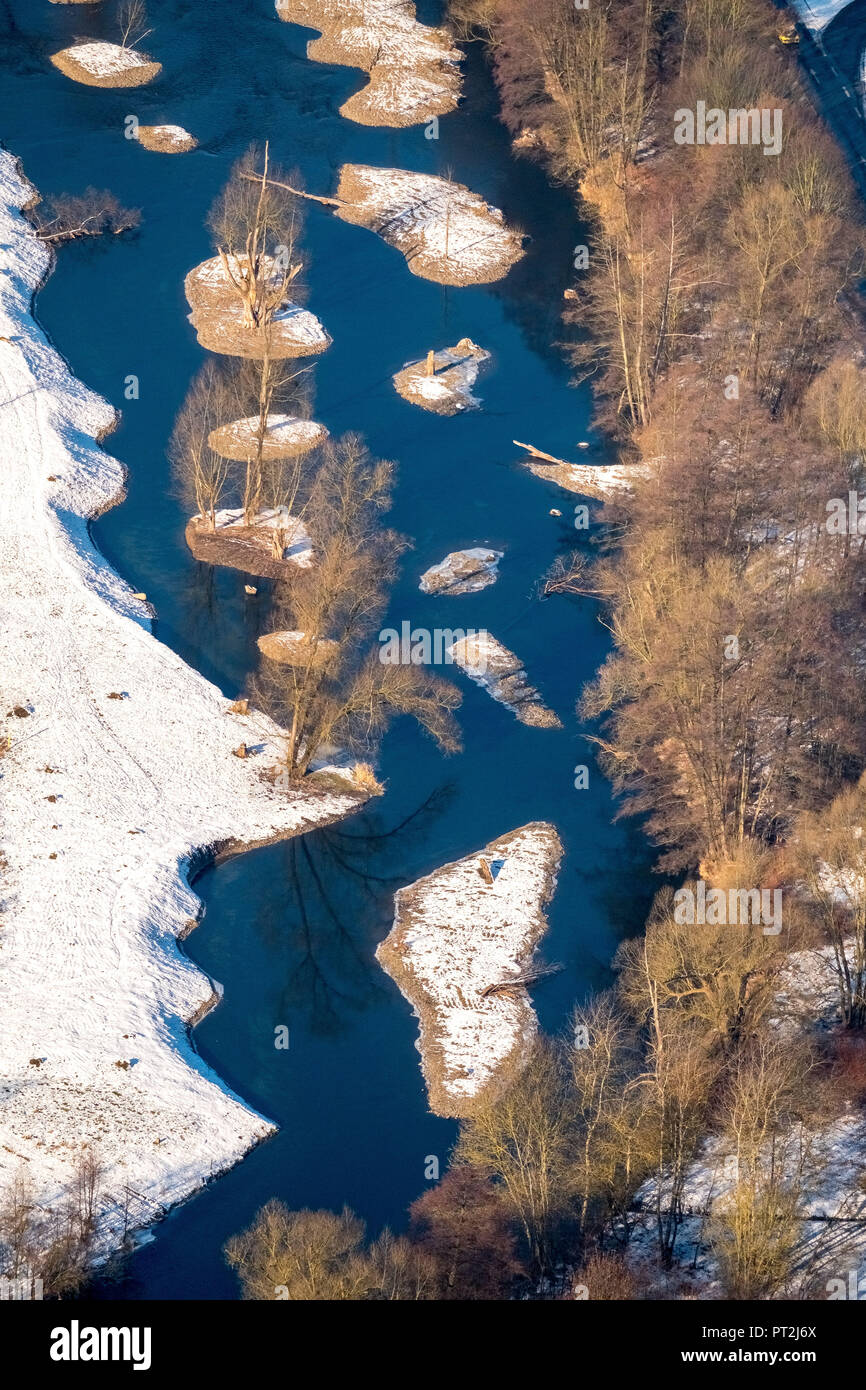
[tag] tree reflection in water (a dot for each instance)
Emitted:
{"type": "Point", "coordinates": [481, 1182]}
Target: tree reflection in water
{"type": "Point", "coordinates": [337, 906]}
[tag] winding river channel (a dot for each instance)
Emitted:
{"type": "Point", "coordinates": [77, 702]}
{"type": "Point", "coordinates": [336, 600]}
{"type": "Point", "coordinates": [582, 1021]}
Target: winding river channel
{"type": "Point", "coordinates": [289, 931]}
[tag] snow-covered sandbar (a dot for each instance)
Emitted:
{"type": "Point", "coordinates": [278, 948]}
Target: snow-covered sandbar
{"type": "Point", "coordinates": [442, 382]}
{"type": "Point", "coordinates": [118, 775]}
{"type": "Point", "coordinates": [601, 481]}
{"type": "Point", "coordinates": [166, 139]}
{"type": "Point", "coordinates": [462, 572]}
{"type": "Point", "coordinates": [496, 669]}
{"type": "Point", "coordinates": [413, 68]}
{"type": "Point", "coordinates": [463, 928]}
{"type": "Point", "coordinates": [446, 232]}
{"type": "Point", "coordinates": [218, 318]}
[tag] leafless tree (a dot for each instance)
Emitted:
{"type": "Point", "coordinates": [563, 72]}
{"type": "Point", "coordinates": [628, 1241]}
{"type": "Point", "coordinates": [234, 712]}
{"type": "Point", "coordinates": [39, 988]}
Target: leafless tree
{"type": "Point", "coordinates": [256, 224]}
{"type": "Point", "coordinates": [132, 22]}
{"type": "Point", "coordinates": [524, 1140]}
{"type": "Point", "coordinates": [201, 474]}
{"type": "Point", "coordinates": [830, 856]}
{"type": "Point", "coordinates": [319, 1256]}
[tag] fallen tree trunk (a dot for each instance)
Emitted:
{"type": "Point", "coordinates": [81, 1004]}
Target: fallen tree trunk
{"type": "Point", "coordinates": [505, 986]}
{"type": "Point", "coordinates": [299, 192]}
{"type": "Point", "coordinates": [539, 453]}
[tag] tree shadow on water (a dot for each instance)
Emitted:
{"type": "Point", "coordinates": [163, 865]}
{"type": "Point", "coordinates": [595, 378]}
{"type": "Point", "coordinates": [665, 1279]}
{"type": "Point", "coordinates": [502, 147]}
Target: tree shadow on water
{"type": "Point", "coordinates": [334, 904]}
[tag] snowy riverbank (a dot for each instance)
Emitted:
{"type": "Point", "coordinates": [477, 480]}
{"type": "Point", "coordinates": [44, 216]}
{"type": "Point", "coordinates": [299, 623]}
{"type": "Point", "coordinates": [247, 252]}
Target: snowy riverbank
{"type": "Point", "coordinates": [119, 770]}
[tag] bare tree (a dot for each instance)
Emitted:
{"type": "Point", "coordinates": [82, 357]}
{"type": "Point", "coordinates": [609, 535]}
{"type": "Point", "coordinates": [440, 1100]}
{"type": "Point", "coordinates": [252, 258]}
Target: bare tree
{"type": "Point", "coordinates": [132, 22]}
{"type": "Point", "coordinates": [602, 1059]}
{"type": "Point", "coordinates": [755, 1225]}
{"type": "Point", "coordinates": [569, 574]}
{"type": "Point", "coordinates": [721, 978]}
{"type": "Point", "coordinates": [349, 697]}
{"type": "Point", "coordinates": [524, 1142]}
{"type": "Point", "coordinates": [256, 224]}
{"type": "Point", "coordinates": [318, 1256]}
{"type": "Point", "coordinates": [830, 855]}
{"type": "Point", "coordinates": [201, 474]}
{"type": "Point", "coordinates": [676, 1082]}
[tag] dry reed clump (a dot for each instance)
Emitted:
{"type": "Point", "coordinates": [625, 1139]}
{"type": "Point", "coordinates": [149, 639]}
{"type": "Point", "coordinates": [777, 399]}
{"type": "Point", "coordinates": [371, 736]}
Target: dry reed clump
{"type": "Point", "coordinates": [364, 776]}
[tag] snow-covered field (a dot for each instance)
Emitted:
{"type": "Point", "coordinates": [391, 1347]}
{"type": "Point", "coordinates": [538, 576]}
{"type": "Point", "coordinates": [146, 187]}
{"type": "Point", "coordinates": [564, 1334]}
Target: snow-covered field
{"type": "Point", "coordinates": [413, 68]}
{"type": "Point", "coordinates": [832, 1229]}
{"type": "Point", "coordinates": [832, 1232]}
{"type": "Point", "coordinates": [455, 934]}
{"type": "Point", "coordinates": [446, 232]}
{"type": "Point", "coordinates": [120, 768]}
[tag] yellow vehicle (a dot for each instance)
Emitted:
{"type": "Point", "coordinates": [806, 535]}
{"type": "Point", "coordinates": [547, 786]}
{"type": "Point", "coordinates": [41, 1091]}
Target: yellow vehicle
{"type": "Point", "coordinates": [789, 34]}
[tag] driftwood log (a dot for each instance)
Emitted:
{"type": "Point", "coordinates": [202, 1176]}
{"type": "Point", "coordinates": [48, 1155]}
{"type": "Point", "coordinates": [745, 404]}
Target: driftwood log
{"type": "Point", "coordinates": [539, 453]}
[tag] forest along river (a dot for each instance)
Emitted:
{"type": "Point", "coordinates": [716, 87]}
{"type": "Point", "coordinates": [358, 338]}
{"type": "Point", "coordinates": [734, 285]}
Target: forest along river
{"type": "Point", "coordinates": [290, 930]}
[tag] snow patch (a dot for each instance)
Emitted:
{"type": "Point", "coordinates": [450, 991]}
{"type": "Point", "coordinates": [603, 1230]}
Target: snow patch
{"type": "Point", "coordinates": [454, 935]}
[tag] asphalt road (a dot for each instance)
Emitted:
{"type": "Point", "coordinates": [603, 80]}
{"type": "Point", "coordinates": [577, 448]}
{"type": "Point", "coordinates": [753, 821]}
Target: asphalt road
{"type": "Point", "coordinates": [832, 62]}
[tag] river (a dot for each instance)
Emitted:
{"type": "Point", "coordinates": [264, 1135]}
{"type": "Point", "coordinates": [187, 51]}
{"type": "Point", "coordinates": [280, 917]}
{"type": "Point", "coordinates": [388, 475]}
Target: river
{"type": "Point", "coordinates": [290, 930]}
